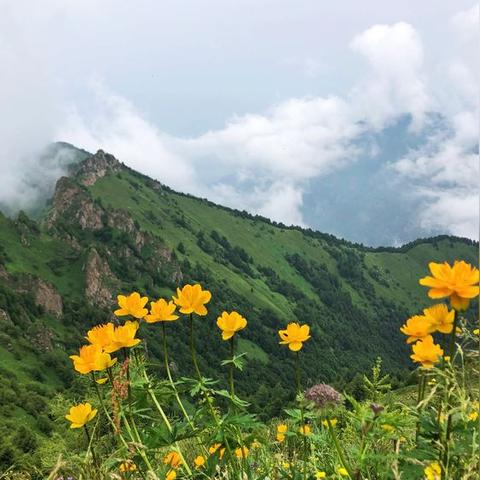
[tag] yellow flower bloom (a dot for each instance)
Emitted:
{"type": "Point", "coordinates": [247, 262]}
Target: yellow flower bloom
{"type": "Point", "coordinates": [192, 299]}
{"type": "Point", "coordinates": [333, 422]}
{"type": "Point", "coordinates": [342, 471]}
{"type": "Point", "coordinates": [440, 318]}
{"type": "Point", "coordinates": [417, 327]}
{"type": "Point", "coordinates": [476, 331]}
{"type": "Point", "coordinates": [101, 335]}
{"type": "Point", "coordinates": [171, 475]}
{"type": "Point", "coordinates": [305, 430]}
{"type": "Point", "coordinates": [286, 465]}
{"type": "Point", "coordinates": [133, 305]}
{"type": "Point", "coordinates": [241, 452]}
{"type": "Point", "coordinates": [161, 311]}
{"type": "Point", "coordinates": [80, 415]}
{"type": "Point", "coordinates": [280, 437]}
{"type": "Point", "coordinates": [91, 358]}
{"type": "Point", "coordinates": [459, 282]}
{"type": "Point", "coordinates": [216, 447]}
{"type": "Point", "coordinates": [173, 459]}
{"type": "Point", "coordinates": [128, 466]}
{"type": "Point", "coordinates": [426, 352]}
{"type": "Point", "coordinates": [446, 358]}
{"type": "Point", "coordinates": [282, 428]}
{"type": "Point", "coordinates": [230, 323]}
{"type": "Point", "coordinates": [124, 337]}
{"type": "Point", "coordinates": [294, 336]}
{"type": "Point", "coordinates": [199, 461]}
{"type": "Point", "coordinates": [473, 417]}
{"type": "Point", "coordinates": [320, 475]}
{"type": "Point", "coordinates": [433, 471]}
{"type": "Point", "coordinates": [388, 428]}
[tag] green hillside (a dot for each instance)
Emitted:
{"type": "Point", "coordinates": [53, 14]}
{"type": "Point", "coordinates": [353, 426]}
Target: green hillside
{"type": "Point", "coordinates": [111, 230]}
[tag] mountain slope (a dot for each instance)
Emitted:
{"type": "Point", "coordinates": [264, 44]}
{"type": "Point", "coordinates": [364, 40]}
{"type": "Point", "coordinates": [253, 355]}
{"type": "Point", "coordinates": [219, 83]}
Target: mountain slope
{"type": "Point", "coordinates": [111, 230]}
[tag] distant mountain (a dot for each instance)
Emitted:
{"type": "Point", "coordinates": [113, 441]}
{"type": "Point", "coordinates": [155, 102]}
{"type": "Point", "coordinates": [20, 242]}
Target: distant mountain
{"type": "Point", "coordinates": [109, 230]}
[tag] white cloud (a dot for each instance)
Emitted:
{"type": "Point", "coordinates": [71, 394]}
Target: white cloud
{"type": "Point", "coordinates": [261, 161]}
{"type": "Point", "coordinates": [447, 168]}
{"type": "Point", "coordinates": [396, 85]}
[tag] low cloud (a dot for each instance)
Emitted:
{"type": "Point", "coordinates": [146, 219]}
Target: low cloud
{"type": "Point", "coordinates": [267, 161]}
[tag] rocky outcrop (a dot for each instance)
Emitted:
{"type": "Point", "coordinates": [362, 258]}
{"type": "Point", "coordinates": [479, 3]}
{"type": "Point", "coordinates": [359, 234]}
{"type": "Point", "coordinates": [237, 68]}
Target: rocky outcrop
{"type": "Point", "coordinates": [95, 167]}
{"type": "Point", "coordinates": [99, 280]}
{"type": "Point", "coordinates": [47, 296]}
{"type": "Point", "coordinates": [72, 204]}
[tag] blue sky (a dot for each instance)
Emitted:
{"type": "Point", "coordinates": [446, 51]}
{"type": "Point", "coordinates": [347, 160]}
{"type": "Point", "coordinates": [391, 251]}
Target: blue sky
{"type": "Point", "coordinates": [356, 118]}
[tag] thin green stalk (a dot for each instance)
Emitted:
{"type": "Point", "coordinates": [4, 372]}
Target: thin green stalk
{"type": "Point", "coordinates": [170, 379]}
{"type": "Point", "coordinates": [160, 410]}
{"type": "Point", "coordinates": [302, 415]}
{"type": "Point", "coordinates": [339, 449]}
{"type": "Point", "coordinates": [451, 352]}
{"type": "Point", "coordinates": [207, 397]}
{"type": "Point", "coordinates": [232, 355]}
{"type": "Point", "coordinates": [90, 447]}
{"type": "Point", "coordinates": [420, 395]}
{"type": "Point", "coordinates": [193, 352]}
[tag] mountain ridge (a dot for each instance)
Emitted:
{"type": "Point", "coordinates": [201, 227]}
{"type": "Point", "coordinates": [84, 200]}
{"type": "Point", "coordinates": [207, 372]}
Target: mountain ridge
{"type": "Point", "coordinates": [111, 230]}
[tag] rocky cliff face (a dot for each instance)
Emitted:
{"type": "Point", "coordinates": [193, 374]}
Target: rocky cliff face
{"type": "Point", "coordinates": [95, 167]}
{"type": "Point", "coordinates": [99, 280]}
{"type": "Point", "coordinates": [73, 208]}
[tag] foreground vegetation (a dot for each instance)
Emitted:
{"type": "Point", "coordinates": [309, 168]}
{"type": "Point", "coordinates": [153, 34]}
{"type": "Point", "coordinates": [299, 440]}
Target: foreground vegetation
{"type": "Point", "coordinates": [133, 425]}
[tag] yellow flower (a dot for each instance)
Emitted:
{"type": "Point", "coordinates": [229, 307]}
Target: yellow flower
{"type": "Point", "coordinates": [305, 430]}
{"type": "Point", "coordinates": [124, 337]}
{"type": "Point", "coordinates": [241, 452]}
{"type": "Point", "coordinates": [446, 358]}
{"type": "Point", "coordinates": [426, 352]}
{"type": "Point", "coordinates": [128, 466]}
{"type": "Point", "coordinates": [417, 327]}
{"type": "Point", "coordinates": [161, 311]}
{"type": "Point", "coordinates": [133, 305]}
{"type": "Point", "coordinates": [473, 417]}
{"type": "Point", "coordinates": [294, 336]}
{"type": "Point", "coordinates": [100, 335]}
{"type": "Point", "coordinates": [199, 461]}
{"type": "Point", "coordinates": [333, 422]}
{"type": "Point", "coordinates": [440, 318]}
{"type": "Point", "coordinates": [286, 465]}
{"type": "Point", "coordinates": [80, 415]}
{"type": "Point", "coordinates": [342, 471]}
{"type": "Point", "coordinates": [171, 475]}
{"type": "Point", "coordinates": [459, 282]}
{"type": "Point", "coordinates": [230, 323]}
{"type": "Point", "coordinates": [476, 331]}
{"type": "Point", "coordinates": [215, 447]}
{"type": "Point", "coordinates": [91, 358]}
{"type": "Point", "coordinates": [173, 459]}
{"type": "Point", "coordinates": [388, 428]}
{"type": "Point", "coordinates": [282, 428]}
{"type": "Point", "coordinates": [433, 471]}
{"type": "Point", "coordinates": [192, 299]}
{"type": "Point", "coordinates": [320, 475]}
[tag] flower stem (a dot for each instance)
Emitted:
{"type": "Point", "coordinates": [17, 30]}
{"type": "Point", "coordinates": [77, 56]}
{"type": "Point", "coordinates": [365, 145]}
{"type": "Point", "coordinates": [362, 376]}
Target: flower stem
{"type": "Point", "coordinates": [90, 447]}
{"type": "Point", "coordinates": [232, 355]}
{"type": "Point", "coordinates": [339, 449]}
{"type": "Point", "coordinates": [192, 351]}
{"type": "Point", "coordinates": [170, 379]}
{"type": "Point", "coordinates": [451, 353]}
{"type": "Point", "coordinates": [207, 397]}
{"type": "Point", "coordinates": [302, 415]}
